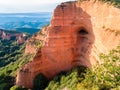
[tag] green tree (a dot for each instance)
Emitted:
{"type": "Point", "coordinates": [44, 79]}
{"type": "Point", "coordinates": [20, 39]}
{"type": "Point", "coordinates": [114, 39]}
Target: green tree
{"type": "Point", "coordinates": [15, 87]}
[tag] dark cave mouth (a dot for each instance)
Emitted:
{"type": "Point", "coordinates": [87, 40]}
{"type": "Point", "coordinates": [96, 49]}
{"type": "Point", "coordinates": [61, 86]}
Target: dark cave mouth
{"type": "Point", "coordinates": [82, 32]}
{"type": "Point", "coordinates": [82, 39]}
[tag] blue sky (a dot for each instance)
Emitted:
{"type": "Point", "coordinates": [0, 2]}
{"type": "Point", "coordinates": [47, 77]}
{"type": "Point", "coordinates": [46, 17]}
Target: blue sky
{"type": "Point", "coordinates": [21, 6]}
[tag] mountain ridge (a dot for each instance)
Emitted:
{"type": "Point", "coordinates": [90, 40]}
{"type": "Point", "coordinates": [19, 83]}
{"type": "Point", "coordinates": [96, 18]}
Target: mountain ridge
{"type": "Point", "coordinates": [24, 20]}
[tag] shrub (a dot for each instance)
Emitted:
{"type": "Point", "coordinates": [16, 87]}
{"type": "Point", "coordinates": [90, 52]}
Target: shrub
{"type": "Point", "coordinates": [4, 86]}
{"type": "Point", "coordinates": [104, 76]}
{"type": "Point", "coordinates": [15, 87]}
{"type": "Point", "coordinates": [67, 80]}
{"type": "Point", "coordinates": [116, 3]}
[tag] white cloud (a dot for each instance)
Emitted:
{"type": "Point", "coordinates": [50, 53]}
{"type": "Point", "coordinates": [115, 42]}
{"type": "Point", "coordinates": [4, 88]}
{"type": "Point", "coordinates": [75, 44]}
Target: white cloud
{"type": "Point", "coordinates": [8, 6]}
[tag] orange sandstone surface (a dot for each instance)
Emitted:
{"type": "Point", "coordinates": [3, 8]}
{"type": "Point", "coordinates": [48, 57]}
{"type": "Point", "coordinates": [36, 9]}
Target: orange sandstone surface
{"type": "Point", "coordinates": [77, 34]}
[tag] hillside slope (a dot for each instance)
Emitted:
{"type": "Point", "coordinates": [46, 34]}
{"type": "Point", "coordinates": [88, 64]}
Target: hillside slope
{"type": "Point", "coordinates": [11, 57]}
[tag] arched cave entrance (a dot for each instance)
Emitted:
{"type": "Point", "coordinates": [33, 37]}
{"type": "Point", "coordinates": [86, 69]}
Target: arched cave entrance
{"type": "Point", "coordinates": [82, 47]}
{"type": "Point", "coordinates": [82, 38]}
{"type": "Point", "coordinates": [82, 32]}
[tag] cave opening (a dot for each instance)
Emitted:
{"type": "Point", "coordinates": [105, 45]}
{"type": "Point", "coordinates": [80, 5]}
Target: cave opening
{"type": "Point", "coordinates": [82, 32]}
{"type": "Point", "coordinates": [81, 41]}
{"type": "Point", "coordinates": [82, 36]}
{"type": "Point", "coordinates": [82, 46]}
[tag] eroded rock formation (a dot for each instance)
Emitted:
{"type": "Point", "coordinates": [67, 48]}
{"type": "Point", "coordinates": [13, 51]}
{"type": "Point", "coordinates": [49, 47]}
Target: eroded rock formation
{"type": "Point", "coordinates": [77, 34]}
{"type": "Point", "coordinates": [20, 37]}
{"type": "Point", "coordinates": [37, 39]}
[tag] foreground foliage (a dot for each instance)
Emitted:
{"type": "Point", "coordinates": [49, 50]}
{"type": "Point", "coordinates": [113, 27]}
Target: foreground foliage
{"type": "Point", "coordinates": [11, 58]}
{"type": "Point", "coordinates": [104, 76]}
{"type": "Point", "coordinates": [115, 3]}
{"type": "Point", "coordinates": [17, 88]}
{"type": "Point", "coordinates": [67, 80]}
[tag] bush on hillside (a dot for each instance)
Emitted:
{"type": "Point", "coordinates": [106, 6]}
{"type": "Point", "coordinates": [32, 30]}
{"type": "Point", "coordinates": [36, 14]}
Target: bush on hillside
{"type": "Point", "coordinates": [4, 86]}
{"type": "Point", "coordinates": [15, 87]}
{"type": "Point", "coordinates": [67, 80]}
{"type": "Point", "coordinates": [104, 76]}
{"type": "Point", "coordinates": [115, 3]}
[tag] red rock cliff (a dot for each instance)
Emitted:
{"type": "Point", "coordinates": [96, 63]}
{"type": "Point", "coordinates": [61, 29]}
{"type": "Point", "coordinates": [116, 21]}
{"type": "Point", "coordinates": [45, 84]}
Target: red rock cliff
{"type": "Point", "coordinates": [77, 34]}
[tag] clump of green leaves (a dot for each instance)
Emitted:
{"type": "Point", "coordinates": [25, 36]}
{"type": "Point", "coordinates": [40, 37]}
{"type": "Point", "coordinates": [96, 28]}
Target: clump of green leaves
{"type": "Point", "coordinates": [15, 87]}
{"type": "Point", "coordinates": [37, 43]}
{"type": "Point", "coordinates": [115, 3]}
{"type": "Point", "coordinates": [104, 76]}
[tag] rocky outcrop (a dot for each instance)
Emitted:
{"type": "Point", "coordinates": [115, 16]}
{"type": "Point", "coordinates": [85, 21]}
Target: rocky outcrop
{"type": "Point", "coordinates": [36, 41]}
{"type": "Point", "coordinates": [7, 35]}
{"type": "Point", "coordinates": [77, 34]}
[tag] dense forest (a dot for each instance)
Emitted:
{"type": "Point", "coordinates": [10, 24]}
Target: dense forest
{"type": "Point", "coordinates": [11, 58]}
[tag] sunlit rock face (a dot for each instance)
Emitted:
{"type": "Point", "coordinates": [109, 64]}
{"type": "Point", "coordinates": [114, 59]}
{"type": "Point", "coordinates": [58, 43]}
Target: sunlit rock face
{"type": "Point", "coordinates": [37, 37]}
{"type": "Point", "coordinates": [77, 34]}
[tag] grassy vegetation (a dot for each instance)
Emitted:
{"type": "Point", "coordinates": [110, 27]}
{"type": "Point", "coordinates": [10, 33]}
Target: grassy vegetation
{"type": "Point", "coordinates": [11, 58]}
{"type": "Point", "coordinates": [35, 42]}
{"type": "Point", "coordinates": [8, 50]}
{"type": "Point", "coordinates": [68, 80]}
{"type": "Point", "coordinates": [15, 87]}
{"type": "Point", "coordinates": [115, 3]}
{"type": "Point", "coordinates": [104, 76]}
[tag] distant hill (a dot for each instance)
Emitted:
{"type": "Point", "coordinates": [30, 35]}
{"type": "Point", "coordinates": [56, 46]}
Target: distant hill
{"type": "Point", "coordinates": [9, 31]}
{"type": "Point", "coordinates": [25, 21]}
{"type": "Point", "coordinates": [27, 30]}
